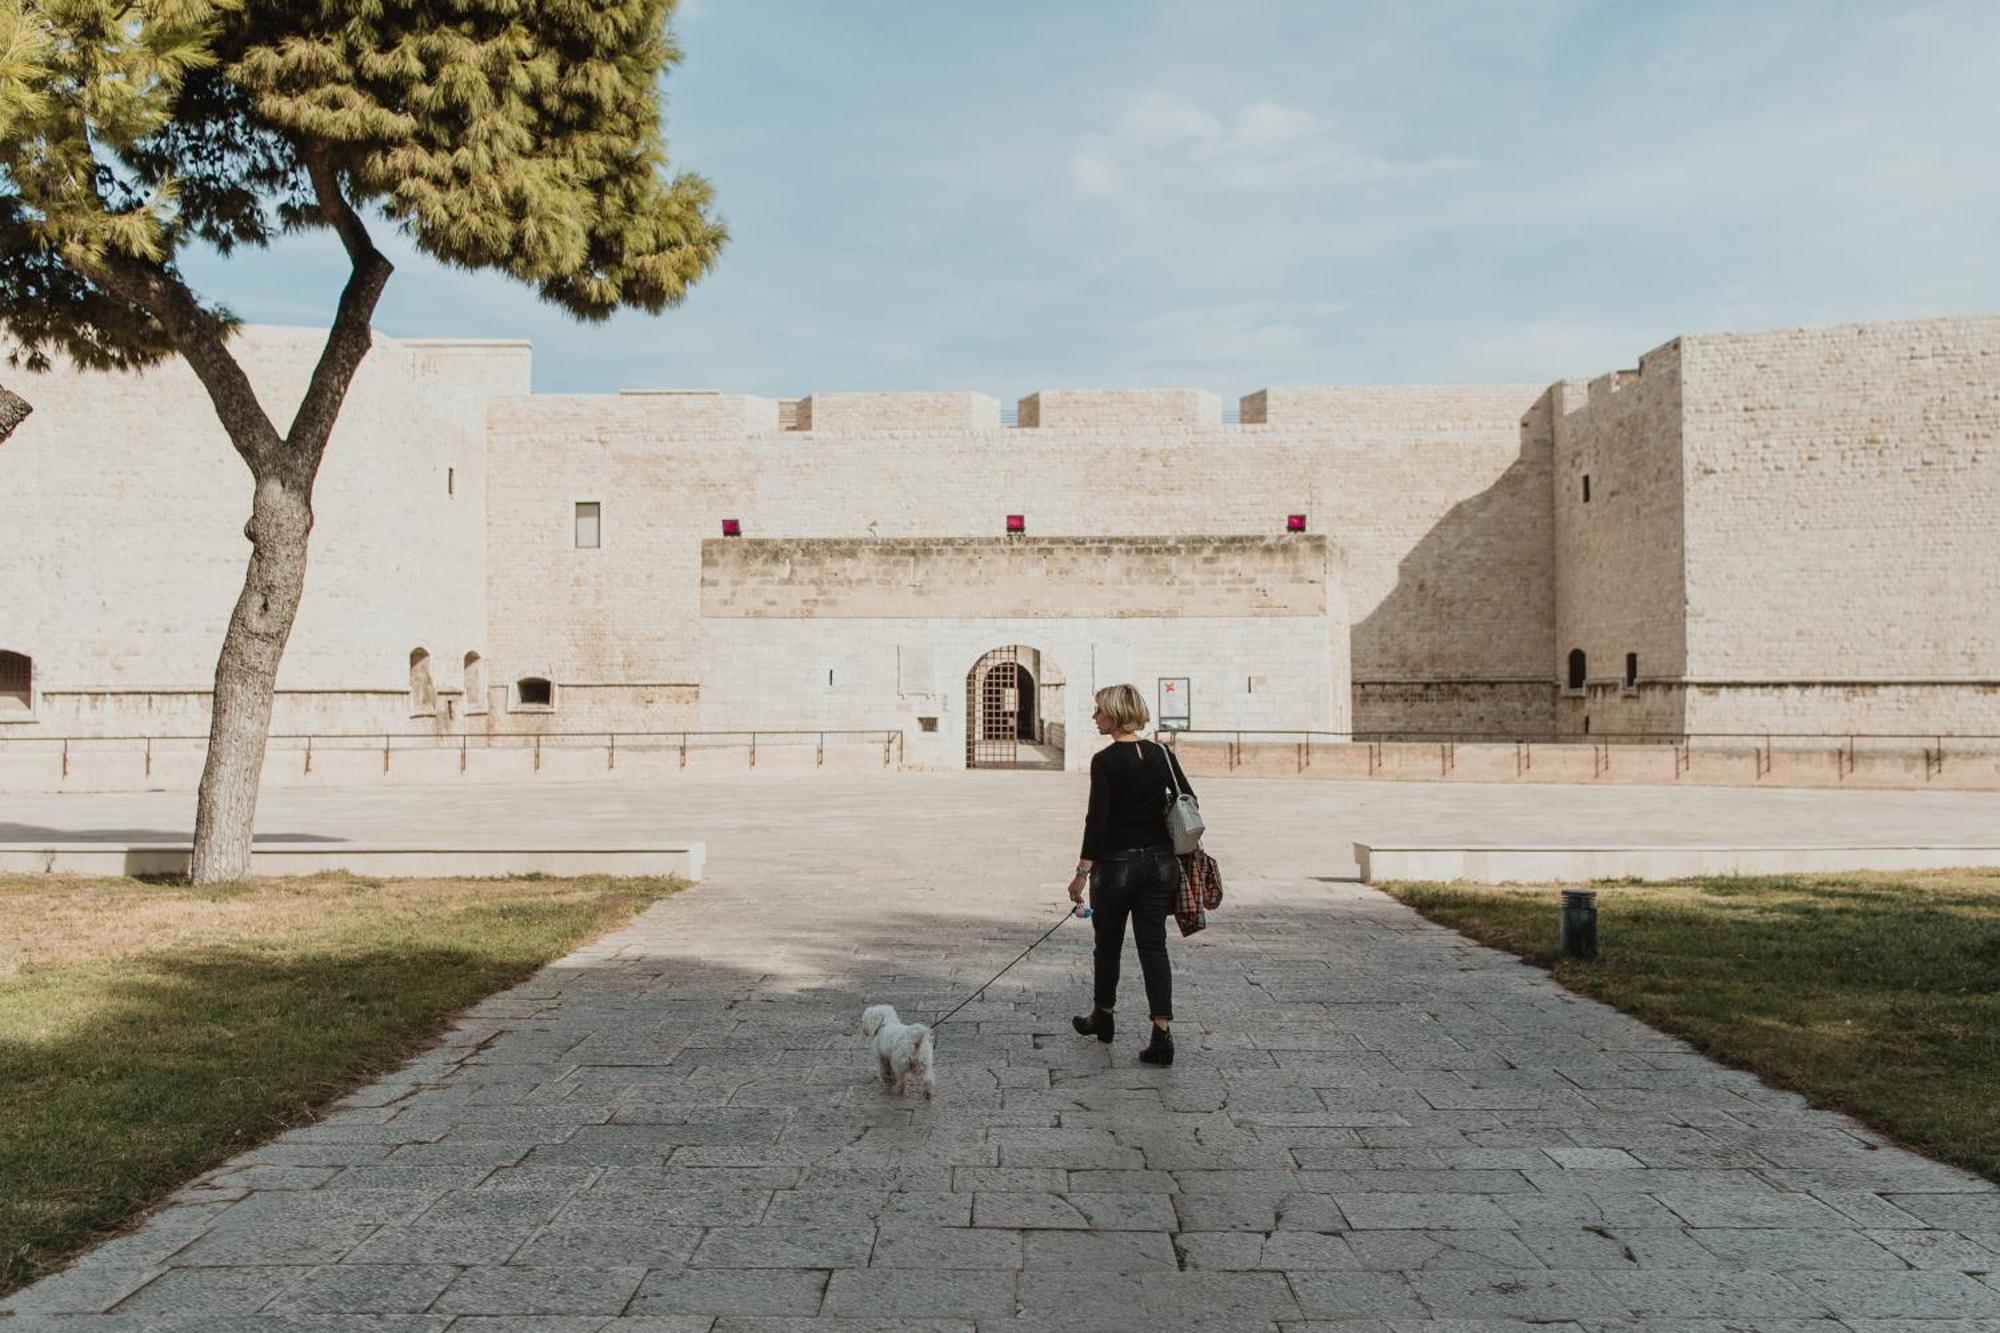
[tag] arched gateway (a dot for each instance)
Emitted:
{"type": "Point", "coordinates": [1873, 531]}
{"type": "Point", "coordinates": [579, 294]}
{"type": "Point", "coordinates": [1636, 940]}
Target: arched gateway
{"type": "Point", "coordinates": [1011, 695]}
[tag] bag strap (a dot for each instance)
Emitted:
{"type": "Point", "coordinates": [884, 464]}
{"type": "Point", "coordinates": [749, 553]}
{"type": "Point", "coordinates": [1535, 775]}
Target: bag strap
{"type": "Point", "coordinates": [1173, 779]}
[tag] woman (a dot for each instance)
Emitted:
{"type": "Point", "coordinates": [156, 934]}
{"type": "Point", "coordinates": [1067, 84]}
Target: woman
{"type": "Point", "coordinates": [1128, 864]}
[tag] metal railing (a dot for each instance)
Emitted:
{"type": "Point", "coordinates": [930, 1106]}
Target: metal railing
{"type": "Point", "coordinates": [1845, 747]}
{"type": "Point", "coordinates": [305, 745]}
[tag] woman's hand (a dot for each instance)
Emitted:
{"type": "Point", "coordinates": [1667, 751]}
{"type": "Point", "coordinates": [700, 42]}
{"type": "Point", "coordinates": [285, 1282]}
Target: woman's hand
{"type": "Point", "coordinates": [1076, 888]}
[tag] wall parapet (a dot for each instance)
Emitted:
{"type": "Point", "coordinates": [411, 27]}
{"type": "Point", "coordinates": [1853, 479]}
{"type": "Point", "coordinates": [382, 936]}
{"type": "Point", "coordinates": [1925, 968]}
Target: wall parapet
{"type": "Point", "coordinates": [860, 413]}
{"type": "Point", "coordinates": [1083, 408]}
{"type": "Point", "coordinates": [1426, 408]}
{"type": "Point", "coordinates": [676, 411]}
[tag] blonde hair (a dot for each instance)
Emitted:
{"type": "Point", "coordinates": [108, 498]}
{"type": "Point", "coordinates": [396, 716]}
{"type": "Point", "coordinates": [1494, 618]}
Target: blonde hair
{"type": "Point", "coordinates": [1125, 706]}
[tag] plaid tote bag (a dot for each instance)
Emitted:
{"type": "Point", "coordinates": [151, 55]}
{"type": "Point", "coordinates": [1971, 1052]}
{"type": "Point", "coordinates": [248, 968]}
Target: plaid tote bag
{"type": "Point", "coordinates": [1200, 891]}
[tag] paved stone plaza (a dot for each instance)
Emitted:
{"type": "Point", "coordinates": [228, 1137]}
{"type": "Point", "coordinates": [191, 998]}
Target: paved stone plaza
{"type": "Point", "coordinates": [1373, 1124]}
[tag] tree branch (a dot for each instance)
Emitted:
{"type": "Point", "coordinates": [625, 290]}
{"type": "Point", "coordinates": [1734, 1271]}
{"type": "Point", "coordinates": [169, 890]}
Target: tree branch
{"type": "Point", "coordinates": [14, 409]}
{"type": "Point", "coordinates": [350, 338]}
{"type": "Point", "coordinates": [339, 214]}
{"type": "Point", "coordinates": [197, 336]}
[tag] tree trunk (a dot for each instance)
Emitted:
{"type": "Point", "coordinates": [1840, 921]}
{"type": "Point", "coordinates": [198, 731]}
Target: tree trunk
{"type": "Point", "coordinates": [246, 677]}
{"type": "Point", "coordinates": [14, 409]}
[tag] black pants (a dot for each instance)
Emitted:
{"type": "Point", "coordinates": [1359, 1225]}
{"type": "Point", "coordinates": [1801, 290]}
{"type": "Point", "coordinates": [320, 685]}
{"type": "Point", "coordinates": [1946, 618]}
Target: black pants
{"type": "Point", "coordinates": [1139, 884]}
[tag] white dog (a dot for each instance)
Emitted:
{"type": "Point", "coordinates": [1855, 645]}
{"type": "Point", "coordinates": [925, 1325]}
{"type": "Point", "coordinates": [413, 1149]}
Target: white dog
{"type": "Point", "coordinates": [904, 1049]}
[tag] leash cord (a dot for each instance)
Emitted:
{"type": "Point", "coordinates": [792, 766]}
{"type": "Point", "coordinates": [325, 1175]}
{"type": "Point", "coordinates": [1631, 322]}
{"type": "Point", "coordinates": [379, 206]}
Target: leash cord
{"type": "Point", "coordinates": [1003, 971]}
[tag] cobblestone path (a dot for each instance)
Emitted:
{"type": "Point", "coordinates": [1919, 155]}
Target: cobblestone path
{"type": "Point", "coordinates": [1373, 1125]}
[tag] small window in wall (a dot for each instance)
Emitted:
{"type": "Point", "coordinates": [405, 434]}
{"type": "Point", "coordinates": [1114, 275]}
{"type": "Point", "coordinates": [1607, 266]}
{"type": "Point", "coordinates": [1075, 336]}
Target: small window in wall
{"type": "Point", "coordinates": [451, 481]}
{"type": "Point", "coordinates": [475, 684]}
{"type": "Point", "coordinates": [1586, 488]}
{"type": "Point", "coordinates": [17, 683]}
{"type": "Point", "coordinates": [1631, 670]}
{"type": "Point", "coordinates": [927, 724]}
{"type": "Point", "coordinates": [534, 692]}
{"type": "Point", "coordinates": [588, 513]}
{"type": "Point", "coordinates": [423, 692]}
{"type": "Point", "coordinates": [1577, 668]}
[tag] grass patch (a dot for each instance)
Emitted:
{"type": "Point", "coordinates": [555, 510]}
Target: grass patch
{"type": "Point", "coordinates": [1875, 994]}
{"type": "Point", "coordinates": [149, 1031]}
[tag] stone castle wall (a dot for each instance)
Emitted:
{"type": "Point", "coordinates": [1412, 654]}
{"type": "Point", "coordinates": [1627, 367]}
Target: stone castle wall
{"type": "Point", "coordinates": [1618, 521]}
{"type": "Point", "coordinates": [1439, 520]}
{"type": "Point", "coordinates": [845, 634]}
{"type": "Point", "coordinates": [123, 505]}
{"type": "Point", "coordinates": [1843, 569]}
{"type": "Point", "coordinates": [1789, 530]}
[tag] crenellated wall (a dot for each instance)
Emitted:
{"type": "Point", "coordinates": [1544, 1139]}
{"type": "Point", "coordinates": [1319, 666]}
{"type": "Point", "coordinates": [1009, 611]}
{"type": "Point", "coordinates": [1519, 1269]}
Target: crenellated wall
{"type": "Point", "coordinates": [1789, 531]}
{"type": "Point", "coordinates": [1439, 518]}
{"type": "Point", "coordinates": [1620, 591]}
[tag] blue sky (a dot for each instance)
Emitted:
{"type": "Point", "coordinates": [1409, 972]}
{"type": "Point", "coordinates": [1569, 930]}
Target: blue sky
{"type": "Point", "coordinates": [1044, 194]}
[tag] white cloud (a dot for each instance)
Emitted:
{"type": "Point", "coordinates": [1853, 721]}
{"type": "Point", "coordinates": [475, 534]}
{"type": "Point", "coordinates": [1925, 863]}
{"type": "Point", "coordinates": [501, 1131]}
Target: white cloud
{"type": "Point", "coordinates": [1268, 339]}
{"type": "Point", "coordinates": [1157, 120]}
{"type": "Point", "coordinates": [1166, 140]}
{"type": "Point", "coordinates": [1262, 127]}
{"type": "Point", "coordinates": [1092, 167]}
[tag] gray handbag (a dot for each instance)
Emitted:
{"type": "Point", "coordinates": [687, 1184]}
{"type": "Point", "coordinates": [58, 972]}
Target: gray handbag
{"type": "Point", "coordinates": [1184, 822]}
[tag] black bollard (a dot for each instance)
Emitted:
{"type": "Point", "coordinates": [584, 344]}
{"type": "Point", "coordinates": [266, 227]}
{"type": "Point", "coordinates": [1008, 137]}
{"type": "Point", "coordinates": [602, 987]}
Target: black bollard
{"type": "Point", "coordinates": [1579, 927]}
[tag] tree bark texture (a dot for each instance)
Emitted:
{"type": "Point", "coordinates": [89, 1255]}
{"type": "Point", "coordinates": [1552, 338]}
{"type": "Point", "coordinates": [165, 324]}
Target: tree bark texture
{"type": "Point", "coordinates": [283, 469]}
{"type": "Point", "coordinates": [14, 409]}
{"type": "Point", "coordinates": [246, 675]}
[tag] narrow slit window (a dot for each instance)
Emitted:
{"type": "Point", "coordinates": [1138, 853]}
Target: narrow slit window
{"type": "Point", "coordinates": [1578, 667]}
{"type": "Point", "coordinates": [451, 481]}
{"type": "Point", "coordinates": [1631, 670]}
{"type": "Point", "coordinates": [1586, 488]}
{"type": "Point", "coordinates": [588, 516]}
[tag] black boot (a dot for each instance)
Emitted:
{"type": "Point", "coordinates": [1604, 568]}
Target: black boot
{"type": "Point", "coordinates": [1099, 1022]}
{"type": "Point", "coordinates": [1161, 1050]}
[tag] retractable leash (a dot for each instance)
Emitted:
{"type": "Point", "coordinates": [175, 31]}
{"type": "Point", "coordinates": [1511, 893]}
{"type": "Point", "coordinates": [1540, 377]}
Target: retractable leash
{"type": "Point", "coordinates": [1082, 910]}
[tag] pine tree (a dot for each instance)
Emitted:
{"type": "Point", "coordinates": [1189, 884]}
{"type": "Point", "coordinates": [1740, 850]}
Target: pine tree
{"type": "Point", "coordinates": [521, 136]}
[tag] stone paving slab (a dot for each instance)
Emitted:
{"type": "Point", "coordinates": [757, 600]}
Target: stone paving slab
{"type": "Point", "coordinates": [1374, 1127]}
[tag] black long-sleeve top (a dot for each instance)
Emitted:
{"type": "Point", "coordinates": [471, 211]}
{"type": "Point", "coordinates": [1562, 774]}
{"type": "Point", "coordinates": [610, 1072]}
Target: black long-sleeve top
{"type": "Point", "coordinates": [1129, 787]}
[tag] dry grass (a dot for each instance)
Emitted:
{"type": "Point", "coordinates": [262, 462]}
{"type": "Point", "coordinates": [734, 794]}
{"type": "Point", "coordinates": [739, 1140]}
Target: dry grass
{"type": "Point", "coordinates": [1876, 994]}
{"type": "Point", "coordinates": [149, 1032]}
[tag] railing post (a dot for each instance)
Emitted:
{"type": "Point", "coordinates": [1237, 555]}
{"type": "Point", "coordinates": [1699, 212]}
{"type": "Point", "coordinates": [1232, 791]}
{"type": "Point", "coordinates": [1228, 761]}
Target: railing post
{"type": "Point", "coordinates": [819, 758]}
{"type": "Point", "coordinates": [753, 749]}
{"type": "Point", "coordinates": [149, 756]}
{"type": "Point", "coordinates": [309, 754]}
{"type": "Point", "coordinates": [65, 771]}
{"type": "Point", "coordinates": [684, 749]}
{"type": "Point", "coordinates": [461, 754]}
{"type": "Point", "coordinates": [538, 752]}
{"type": "Point", "coordinates": [385, 754]}
{"type": "Point", "coordinates": [611, 752]}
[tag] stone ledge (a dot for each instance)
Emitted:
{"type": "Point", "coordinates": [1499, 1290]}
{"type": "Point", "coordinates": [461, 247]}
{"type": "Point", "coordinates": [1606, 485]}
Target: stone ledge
{"type": "Point", "coordinates": [1501, 865]}
{"type": "Point", "coordinates": [398, 860]}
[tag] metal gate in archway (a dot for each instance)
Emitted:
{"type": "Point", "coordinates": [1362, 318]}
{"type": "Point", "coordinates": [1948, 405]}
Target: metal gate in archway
{"type": "Point", "coordinates": [1003, 723]}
